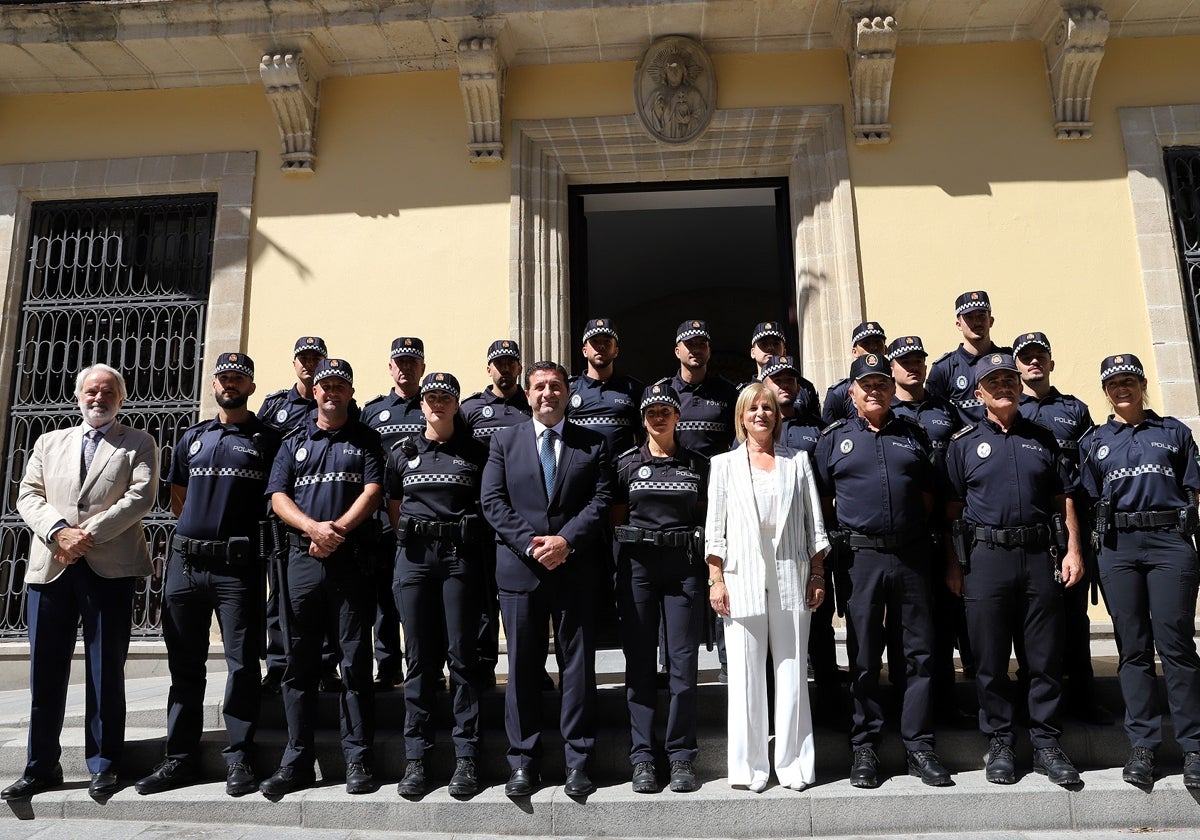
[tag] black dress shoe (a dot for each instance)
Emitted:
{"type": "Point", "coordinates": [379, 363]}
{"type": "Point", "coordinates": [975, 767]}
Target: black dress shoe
{"type": "Point", "coordinates": [287, 780]}
{"type": "Point", "coordinates": [1191, 770]}
{"type": "Point", "coordinates": [414, 782]}
{"type": "Point", "coordinates": [924, 764]}
{"type": "Point", "coordinates": [683, 777]}
{"type": "Point", "coordinates": [522, 782]}
{"type": "Point", "coordinates": [359, 778]}
{"type": "Point", "coordinates": [644, 778]}
{"type": "Point", "coordinates": [1053, 763]}
{"type": "Point", "coordinates": [172, 773]}
{"type": "Point", "coordinates": [27, 786]}
{"type": "Point", "coordinates": [240, 779]}
{"type": "Point", "coordinates": [864, 772]}
{"type": "Point", "coordinates": [1139, 769]}
{"type": "Point", "coordinates": [578, 783]}
{"type": "Point", "coordinates": [1001, 767]}
{"type": "Point", "coordinates": [103, 784]}
{"type": "Point", "coordinates": [465, 781]}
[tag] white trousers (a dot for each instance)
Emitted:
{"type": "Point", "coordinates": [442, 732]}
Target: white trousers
{"type": "Point", "coordinates": [747, 640]}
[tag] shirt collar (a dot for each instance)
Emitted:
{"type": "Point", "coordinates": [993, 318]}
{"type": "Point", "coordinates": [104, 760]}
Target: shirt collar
{"type": "Point", "coordinates": [538, 428]}
{"type": "Point", "coordinates": [103, 430]}
{"type": "Point", "coordinates": [1151, 419]}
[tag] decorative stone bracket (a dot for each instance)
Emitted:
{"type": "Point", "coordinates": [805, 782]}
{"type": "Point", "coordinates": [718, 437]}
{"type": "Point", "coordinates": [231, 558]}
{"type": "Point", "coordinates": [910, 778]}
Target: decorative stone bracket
{"type": "Point", "coordinates": [481, 71]}
{"type": "Point", "coordinates": [1074, 47]}
{"type": "Point", "coordinates": [293, 92]}
{"type": "Point", "coordinates": [871, 53]}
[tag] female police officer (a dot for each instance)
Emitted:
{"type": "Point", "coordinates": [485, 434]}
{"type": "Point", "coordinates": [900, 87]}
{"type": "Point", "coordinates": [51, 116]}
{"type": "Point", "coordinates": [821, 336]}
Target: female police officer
{"type": "Point", "coordinates": [433, 499]}
{"type": "Point", "coordinates": [659, 503]}
{"type": "Point", "coordinates": [1141, 471]}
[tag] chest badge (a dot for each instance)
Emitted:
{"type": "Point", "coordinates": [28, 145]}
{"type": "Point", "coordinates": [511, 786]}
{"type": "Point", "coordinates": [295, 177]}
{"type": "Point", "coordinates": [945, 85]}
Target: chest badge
{"type": "Point", "coordinates": [301, 454]}
{"type": "Point", "coordinates": [194, 448]}
{"type": "Point", "coordinates": [847, 446]}
{"type": "Point", "coordinates": [576, 401]}
{"type": "Point", "coordinates": [281, 415]}
{"type": "Point", "coordinates": [644, 472]}
{"type": "Point", "coordinates": [487, 412]}
{"type": "Point", "coordinates": [384, 415]}
{"type": "Point", "coordinates": [1101, 453]}
{"type": "Point", "coordinates": [983, 450]}
{"type": "Point", "coordinates": [414, 462]}
{"type": "Point", "coordinates": [961, 382]}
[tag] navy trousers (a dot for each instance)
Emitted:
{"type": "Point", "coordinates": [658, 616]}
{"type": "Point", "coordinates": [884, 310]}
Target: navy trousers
{"type": "Point", "coordinates": [389, 655]}
{"type": "Point", "coordinates": [55, 609]}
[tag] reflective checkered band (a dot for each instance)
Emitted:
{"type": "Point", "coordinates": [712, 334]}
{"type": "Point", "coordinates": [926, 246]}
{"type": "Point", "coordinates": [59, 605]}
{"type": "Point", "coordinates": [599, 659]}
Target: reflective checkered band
{"type": "Point", "coordinates": [1140, 469]}
{"type": "Point", "coordinates": [771, 333]}
{"type": "Point", "coordinates": [972, 402]}
{"type": "Point", "coordinates": [438, 478]}
{"type": "Point", "coordinates": [637, 486]}
{"type": "Point", "coordinates": [329, 478]}
{"type": "Point", "coordinates": [691, 332]}
{"type": "Point", "coordinates": [400, 429]}
{"type": "Point", "coordinates": [1113, 370]}
{"type": "Point", "coordinates": [485, 432]}
{"type": "Point", "coordinates": [701, 426]}
{"type": "Point", "coordinates": [594, 331]}
{"type": "Point", "coordinates": [600, 421]}
{"type": "Point", "coordinates": [1067, 444]}
{"type": "Point", "coordinates": [224, 472]}
{"type": "Point", "coordinates": [867, 332]}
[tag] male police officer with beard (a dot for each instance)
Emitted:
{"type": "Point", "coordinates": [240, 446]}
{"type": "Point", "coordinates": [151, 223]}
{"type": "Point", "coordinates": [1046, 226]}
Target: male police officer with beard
{"type": "Point", "coordinates": [219, 472]}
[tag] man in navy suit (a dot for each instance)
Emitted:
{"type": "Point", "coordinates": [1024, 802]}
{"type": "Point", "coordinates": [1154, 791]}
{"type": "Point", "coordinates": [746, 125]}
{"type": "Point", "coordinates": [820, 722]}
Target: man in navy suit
{"type": "Point", "coordinates": [546, 490]}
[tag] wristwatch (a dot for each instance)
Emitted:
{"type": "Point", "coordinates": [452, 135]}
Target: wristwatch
{"type": "Point", "coordinates": [711, 581]}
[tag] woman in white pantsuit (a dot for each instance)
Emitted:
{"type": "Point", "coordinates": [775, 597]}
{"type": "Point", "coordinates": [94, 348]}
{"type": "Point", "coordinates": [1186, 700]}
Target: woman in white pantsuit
{"type": "Point", "coordinates": [765, 541]}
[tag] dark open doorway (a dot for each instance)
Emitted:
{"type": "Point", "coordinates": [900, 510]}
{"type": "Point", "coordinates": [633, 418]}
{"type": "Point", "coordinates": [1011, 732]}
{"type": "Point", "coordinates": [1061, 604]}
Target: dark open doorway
{"type": "Point", "coordinates": [651, 255]}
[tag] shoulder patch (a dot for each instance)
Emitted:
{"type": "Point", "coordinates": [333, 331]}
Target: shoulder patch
{"type": "Point", "coordinates": [374, 400]}
{"type": "Point", "coordinates": [628, 451]}
{"type": "Point", "coordinates": [970, 427]}
{"type": "Point", "coordinates": [943, 357]}
{"type": "Point", "coordinates": [478, 395]}
{"type": "Point", "coordinates": [833, 426]}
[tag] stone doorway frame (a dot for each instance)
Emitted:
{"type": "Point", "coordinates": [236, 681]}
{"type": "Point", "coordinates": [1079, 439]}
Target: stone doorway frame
{"type": "Point", "coordinates": [807, 145]}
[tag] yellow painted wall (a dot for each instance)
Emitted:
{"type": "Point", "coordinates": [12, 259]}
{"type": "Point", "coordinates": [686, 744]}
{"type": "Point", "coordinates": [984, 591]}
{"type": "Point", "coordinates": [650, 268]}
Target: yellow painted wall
{"type": "Point", "coordinates": [399, 234]}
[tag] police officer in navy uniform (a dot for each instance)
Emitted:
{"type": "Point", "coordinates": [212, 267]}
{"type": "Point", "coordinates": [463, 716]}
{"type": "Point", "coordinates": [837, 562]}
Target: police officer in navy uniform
{"type": "Point", "coordinates": [1069, 418]}
{"type": "Point", "coordinates": [326, 485]}
{"type": "Point", "coordinates": [433, 480]}
{"type": "Point", "coordinates": [768, 340]}
{"type": "Point", "coordinates": [658, 504]}
{"type": "Point", "coordinates": [393, 415]}
{"type": "Point", "coordinates": [1007, 481]}
{"type": "Point", "coordinates": [602, 399]}
{"type": "Point", "coordinates": [867, 337]}
{"type": "Point", "coordinates": [940, 421]}
{"type": "Point", "coordinates": [284, 410]}
{"type": "Point", "coordinates": [952, 377]}
{"type": "Point", "coordinates": [801, 425]}
{"type": "Point", "coordinates": [500, 405]}
{"type": "Point", "coordinates": [706, 401]}
{"type": "Point", "coordinates": [219, 472]}
{"type": "Point", "coordinates": [877, 478]}
{"type": "Point", "coordinates": [1141, 471]}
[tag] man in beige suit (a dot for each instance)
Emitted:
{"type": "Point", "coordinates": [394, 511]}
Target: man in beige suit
{"type": "Point", "coordinates": [85, 491]}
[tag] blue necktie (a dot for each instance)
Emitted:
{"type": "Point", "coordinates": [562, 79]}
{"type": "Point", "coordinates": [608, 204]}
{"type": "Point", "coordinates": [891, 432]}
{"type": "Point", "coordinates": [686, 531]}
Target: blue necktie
{"type": "Point", "coordinates": [546, 454]}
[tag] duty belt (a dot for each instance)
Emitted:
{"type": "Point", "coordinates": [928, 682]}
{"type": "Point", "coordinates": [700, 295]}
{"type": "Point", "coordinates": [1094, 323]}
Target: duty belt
{"type": "Point", "coordinates": [663, 539]}
{"type": "Point", "coordinates": [1146, 519]}
{"type": "Point", "coordinates": [884, 542]}
{"type": "Point", "coordinates": [1028, 535]}
{"type": "Point", "coordinates": [433, 528]}
{"type": "Point", "coordinates": [298, 540]}
{"type": "Point", "coordinates": [209, 549]}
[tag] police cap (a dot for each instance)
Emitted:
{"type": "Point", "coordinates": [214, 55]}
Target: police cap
{"type": "Point", "coordinates": [692, 329]}
{"type": "Point", "coordinates": [870, 364]}
{"type": "Point", "coordinates": [1025, 339]}
{"type": "Point", "coordinates": [600, 326]}
{"type": "Point", "coordinates": [501, 348]}
{"type": "Point", "coordinates": [659, 393]}
{"type": "Point", "coordinates": [334, 367]}
{"type": "Point", "coordinates": [992, 362]}
{"type": "Point", "coordinates": [234, 363]}
{"type": "Point", "coordinates": [1117, 365]}
{"type": "Point", "coordinates": [440, 382]}
{"type": "Point", "coordinates": [865, 330]}
{"type": "Point", "coordinates": [780, 364]}
{"type": "Point", "coordinates": [407, 345]}
{"type": "Point", "coordinates": [767, 329]}
{"type": "Point", "coordinates": [969, 301]}
{"type": "Point", "coordinates": [310, 344]}
{"type": "Point", "coordinates": [904, 345]}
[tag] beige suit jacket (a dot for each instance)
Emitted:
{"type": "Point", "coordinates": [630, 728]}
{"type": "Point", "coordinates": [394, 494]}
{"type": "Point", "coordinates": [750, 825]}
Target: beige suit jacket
{"type": "Point", "coordinates": [732, 530]}
{"type": "Point", "coordinates": [109, 503]}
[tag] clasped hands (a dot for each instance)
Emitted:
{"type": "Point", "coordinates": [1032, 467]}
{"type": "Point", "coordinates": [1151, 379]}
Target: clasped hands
{"type": "Point", "coordinates": [72, 543]}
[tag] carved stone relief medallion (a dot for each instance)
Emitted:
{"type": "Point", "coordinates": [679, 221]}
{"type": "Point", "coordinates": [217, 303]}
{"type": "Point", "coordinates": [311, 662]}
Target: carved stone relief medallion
{"type": "Point", "coordinates": [675, 89]}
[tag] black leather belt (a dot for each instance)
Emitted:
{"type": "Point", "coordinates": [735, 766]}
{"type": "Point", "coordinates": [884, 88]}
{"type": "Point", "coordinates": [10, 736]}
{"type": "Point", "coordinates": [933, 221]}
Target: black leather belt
{"type": "Point", "coordinates": [1146, 519]}
{"type": "Point", "coordinates": [883, 542]}
{"type": "Point", "coordinates": [664, 539]}
{"type": "Point", "coordinates": [1034, 536]}
{"type": "Point", "coordinates": [225, 551]}
{"type": "Point", "coordinates": [298, 540]}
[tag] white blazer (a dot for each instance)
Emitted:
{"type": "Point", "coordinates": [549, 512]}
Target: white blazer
{"type": "Point", "coordinates": [732, 529]}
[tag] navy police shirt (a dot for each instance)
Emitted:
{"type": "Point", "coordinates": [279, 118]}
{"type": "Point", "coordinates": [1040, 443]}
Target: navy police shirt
{"type": "Point", "coordinates": [394, 417]}
{"type": "Point", "coordinates": [1066, 416]}
{"type": "Point", "coordinates": [705, 414]}
{"type": "Point", "coordinates": [436, 481]}
{"type": "Point", "coordinates": [1007, 480]}
{"type": "Point", "coordinates": [487, 413]}
{"type": "Point", "coordinates": [937, 417]}
{"type": "Point", "coordinates": [285, 409]}
{"type": "Point", "coordinates": [609, 407]}
{"type": "Point", "coordinates": [662, 493]}
{"type": "Point", "coordinates": [225, 467]}
{"type": "Point", "coordinates": [1142, 467]}
{"type": "Point", "coordinates": [324, 471]}
{"type": "Point", "coordinates": [878, 480]}
{"type": "Point", "coordinates": [952, 377]}
{"type": "Point", "coordinates": [838, 404]}
{"type": "Point", "coordinates": [801, 431]}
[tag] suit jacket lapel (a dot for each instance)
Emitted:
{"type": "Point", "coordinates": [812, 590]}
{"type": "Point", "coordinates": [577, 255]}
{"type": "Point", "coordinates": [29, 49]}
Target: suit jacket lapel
{"type": "Point", "coordinates": [787, 485]}
{"type": "Point", "coordinates": [104, 450]}
{"type": "Point", "coordinates": [564, 461]}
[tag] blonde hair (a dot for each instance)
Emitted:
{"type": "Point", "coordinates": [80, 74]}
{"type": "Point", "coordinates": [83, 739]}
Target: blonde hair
{"type": "Point", "coordinates": [747, 398]}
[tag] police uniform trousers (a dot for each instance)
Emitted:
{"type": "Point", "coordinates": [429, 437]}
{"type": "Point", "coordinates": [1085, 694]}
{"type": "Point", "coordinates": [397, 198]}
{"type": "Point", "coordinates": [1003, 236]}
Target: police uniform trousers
{"type": "Point", "coordinates": [488, 638]}
{"type": "Point", "coordinates": [895, 584]}
{"type": "Point", "coordinates": [276, 652]}
{"type": "Point", "coordinates": [438, 599]}
{"type": "Point", "coordinates": [783, 634]}
{"type": "Point", "coordinates": [389, 654]}
{"type": "Point", "coordinates": [1078, 677]}
{"type": "Point", "coordinates": [193, 590]}
{"type": "Point", "coordinates": [566, 599]}
{"type": "Point", "coordinates": [949, 631]}
{"type": "Point", "coordinates": [106, 607]}
{"type": "Point", "coordinates": [1149, 579]}
{"type": "Point", "coordinates": [1010, 593]}
{"type": "Point", "coordinates": [666, 582]}
{"type": "Point", "coordinates": [333, 597]}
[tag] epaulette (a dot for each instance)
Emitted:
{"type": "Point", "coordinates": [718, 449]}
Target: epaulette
{"type": "Point", "coordinates": [912, 421]}
{"type": "Point", "coordinates": [374, 400]}
{"type": "Point", "coordinates": [843, 381]}
{"type": "Point", "coordinates": [629, 451]}
{"type": "Point", "coordinates": [944, 356]}
{"type": "Point", "coordinates": [967, 428]}
{"type": "Point", "coordinates": [662, 381]}
{"type": "Point", "coordinates": [478, 395]}
{"type": "Point", "coordinates": [206, 423]}
{"type": "Point", "coordinates": [282, 392]}
{"type": "Point", "coordinates": [832, 426]}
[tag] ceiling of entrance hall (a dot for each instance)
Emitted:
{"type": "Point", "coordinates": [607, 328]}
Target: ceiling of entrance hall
{"type": "Point", "coordinates": [137, 44]}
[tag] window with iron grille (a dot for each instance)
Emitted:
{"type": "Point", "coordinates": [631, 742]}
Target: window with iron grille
{"type": "Point", "coordinates": [1183, 180]}
{"type": "Point", "coordinates": [120, 281]}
